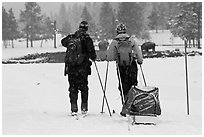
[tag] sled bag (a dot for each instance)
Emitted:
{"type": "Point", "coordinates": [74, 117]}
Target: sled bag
{"type": "Point", "coordinates": [142, 101]}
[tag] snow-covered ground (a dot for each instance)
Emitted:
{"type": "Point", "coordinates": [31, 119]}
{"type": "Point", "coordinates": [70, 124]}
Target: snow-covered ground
{"type": "Point", "coordinates": [21, 50]}
{"type": "Point", "coordinates": [35, 98]}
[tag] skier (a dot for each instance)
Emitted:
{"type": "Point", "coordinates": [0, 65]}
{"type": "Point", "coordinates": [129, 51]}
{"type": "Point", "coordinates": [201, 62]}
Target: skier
{"type": "Point", "coordinates": [103, 45]}
{"type": "Point", "coordinates": [78, 65]}
{"type": "Point", "coordinates": [125, 50]}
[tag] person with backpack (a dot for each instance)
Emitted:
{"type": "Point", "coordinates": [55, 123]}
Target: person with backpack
{"type": "Point", "coordinates": [103, 45]}
{"type": "Point", "coordinates": [126, 52]}
{"type": "Point", "coordinates": [80, 50]}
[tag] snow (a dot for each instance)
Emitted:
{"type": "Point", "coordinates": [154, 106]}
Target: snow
{"type": "Point", "coordinates": [35, 98]}
{"type": "Point", "coordinates": [165, 37]}
{"type": "Point", "coordinates": [20, 49]}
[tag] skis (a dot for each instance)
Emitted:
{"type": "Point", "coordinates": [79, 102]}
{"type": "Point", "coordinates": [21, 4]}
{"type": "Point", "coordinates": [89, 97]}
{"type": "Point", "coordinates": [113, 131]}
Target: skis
{"type": "Point", "coordinates": [75, 115]}
{"type": "Point", "coordinates": [131, 120]}
{"type": "Point", "coordinates": [84, 114]}
{"type": "Point", "coordinates": [134, 122]}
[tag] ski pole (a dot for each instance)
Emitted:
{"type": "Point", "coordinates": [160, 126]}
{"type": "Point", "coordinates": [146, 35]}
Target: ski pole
{"type": "Point", "coordinates": [105, 86]}
{"type": "Point", "coordinates": [102, 88]}
{"type": "Point", "coordinates": [186, 69]}
{"type": "Point", "coordinates": [120, 83]}
{"type": "Point", "coordinates": [143, 75]}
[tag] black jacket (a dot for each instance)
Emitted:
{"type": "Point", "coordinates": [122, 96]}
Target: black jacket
{"type": "Point", "coordinates": [87, 48]}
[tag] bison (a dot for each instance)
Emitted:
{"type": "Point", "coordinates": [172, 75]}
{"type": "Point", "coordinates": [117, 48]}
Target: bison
{"type": "Point", "coordinates": [148, 45]}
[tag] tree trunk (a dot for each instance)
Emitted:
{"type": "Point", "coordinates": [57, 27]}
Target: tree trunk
{"type": "Point", "coordinates": [193, 42]}
{"type": "Point", "coordinates": [5, 43]}
{"type": "Point", "coordinates": [55, 28]}
{"type": "Point", "coordinates": [189, 41]}
{"type": "Point", "coordinates": [31, 42]}
{"type": "Point", "coordinates": [27, 40]}
{"type": "Point", "coordinates": [156, 29]}
{"type": "Point", "coordinates": [12, 43]}
{"type": "Point", "coordinates": [9, 43]}
{"type": "Point", "coordinates": [27, 36]}
{"type": "Point", "coordinates": [199, 27]}
{"type": "Point", "coordinates": [41, 43]}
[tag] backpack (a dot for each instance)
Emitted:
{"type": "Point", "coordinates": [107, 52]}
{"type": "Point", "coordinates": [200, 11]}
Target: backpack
{"type": "Point", "coordinates": [74, 55]}
{"type": "Point", "coordinates": [124, 51]}
{"type": "Point", "coordinates": [142, 101]}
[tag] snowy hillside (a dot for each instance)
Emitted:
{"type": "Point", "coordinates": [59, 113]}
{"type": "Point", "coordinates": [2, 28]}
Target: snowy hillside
{"type": "Point", "coordinates": [35, 98]}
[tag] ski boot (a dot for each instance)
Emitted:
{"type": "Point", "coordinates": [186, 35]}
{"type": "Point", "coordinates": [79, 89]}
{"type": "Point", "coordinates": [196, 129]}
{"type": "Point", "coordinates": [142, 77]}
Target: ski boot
{"type": "Point", "coordinates": [122, 114]}
{"type": "Point", "coordinates": [84, 112]}
{"type": "Point", "coordinates": [84, 109]}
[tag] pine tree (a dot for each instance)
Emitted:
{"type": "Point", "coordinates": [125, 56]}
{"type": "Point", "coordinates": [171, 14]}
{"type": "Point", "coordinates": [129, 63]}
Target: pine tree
{"type": "Point", "coordinates": [64, 20]}
{"type": "Point", "coordinates": [76, 11]}
{"type": "Point", "coordinates": [47, 28]}
{"type": "Point", "coordinates": [154, 18]}
{"type": "Point", "coordinates": [62, 16]}
{"type": "Point", "coordinates": [31, 18]}
{"type": "Point", "coordinates": [5, 21]}
{"type": "Point", "coordinates": [186, 23]}
{"type": "Point", "coordinates": [163, 14]}
{"type": "Point", "coordinates": [197, 9]}
{"type": "Point", "coordinates": [12, 27]}
{"type": "Point", "coordinates": [66, 28]}
{"type": "Point", "coordinates": [88, 6]}
{"type": "Point", "coordinates": [95, 12]}
{"type": "Point", "coordinates": [85, 16]}
{"type": "Point", "coordinates": [107, 21]}
{"type": "Point", "coordinates": [131, 14]}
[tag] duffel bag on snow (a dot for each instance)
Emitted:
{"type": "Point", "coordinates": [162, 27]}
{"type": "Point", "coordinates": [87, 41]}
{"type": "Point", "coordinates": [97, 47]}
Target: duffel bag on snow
{"type": "Point", "coordinates": [142, 101]}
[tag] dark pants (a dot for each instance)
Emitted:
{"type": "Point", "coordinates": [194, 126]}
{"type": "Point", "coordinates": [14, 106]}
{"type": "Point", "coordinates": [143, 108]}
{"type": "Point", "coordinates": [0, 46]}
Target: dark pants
{"type": "Point", "coordinates": [78, 82]}
{"type": "Point", "coordinates": [128, 76]}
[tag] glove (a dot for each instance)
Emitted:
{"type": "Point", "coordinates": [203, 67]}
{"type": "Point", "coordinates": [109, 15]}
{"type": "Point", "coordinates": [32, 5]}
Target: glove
{"type": "Point", "coordinates": [140, 63]}
{"type": "Point", "coordinates": [134, 58]}
{"type": "Point", "coordinates": [134, 84]}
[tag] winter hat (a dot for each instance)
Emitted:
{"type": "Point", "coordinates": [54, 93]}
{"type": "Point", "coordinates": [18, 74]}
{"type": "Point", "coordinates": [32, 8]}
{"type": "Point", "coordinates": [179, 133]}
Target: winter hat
{"type": "Point", "coordinates": [83, 25]}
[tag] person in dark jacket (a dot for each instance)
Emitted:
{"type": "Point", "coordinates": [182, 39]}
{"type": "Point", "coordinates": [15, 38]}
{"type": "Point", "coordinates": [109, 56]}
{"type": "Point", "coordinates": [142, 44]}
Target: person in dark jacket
{"type": "Point", "coordinates": [78, 75]}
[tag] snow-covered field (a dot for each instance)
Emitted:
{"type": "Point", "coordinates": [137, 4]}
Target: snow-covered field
{"type": "Point", "coordinates": [35, 98]}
